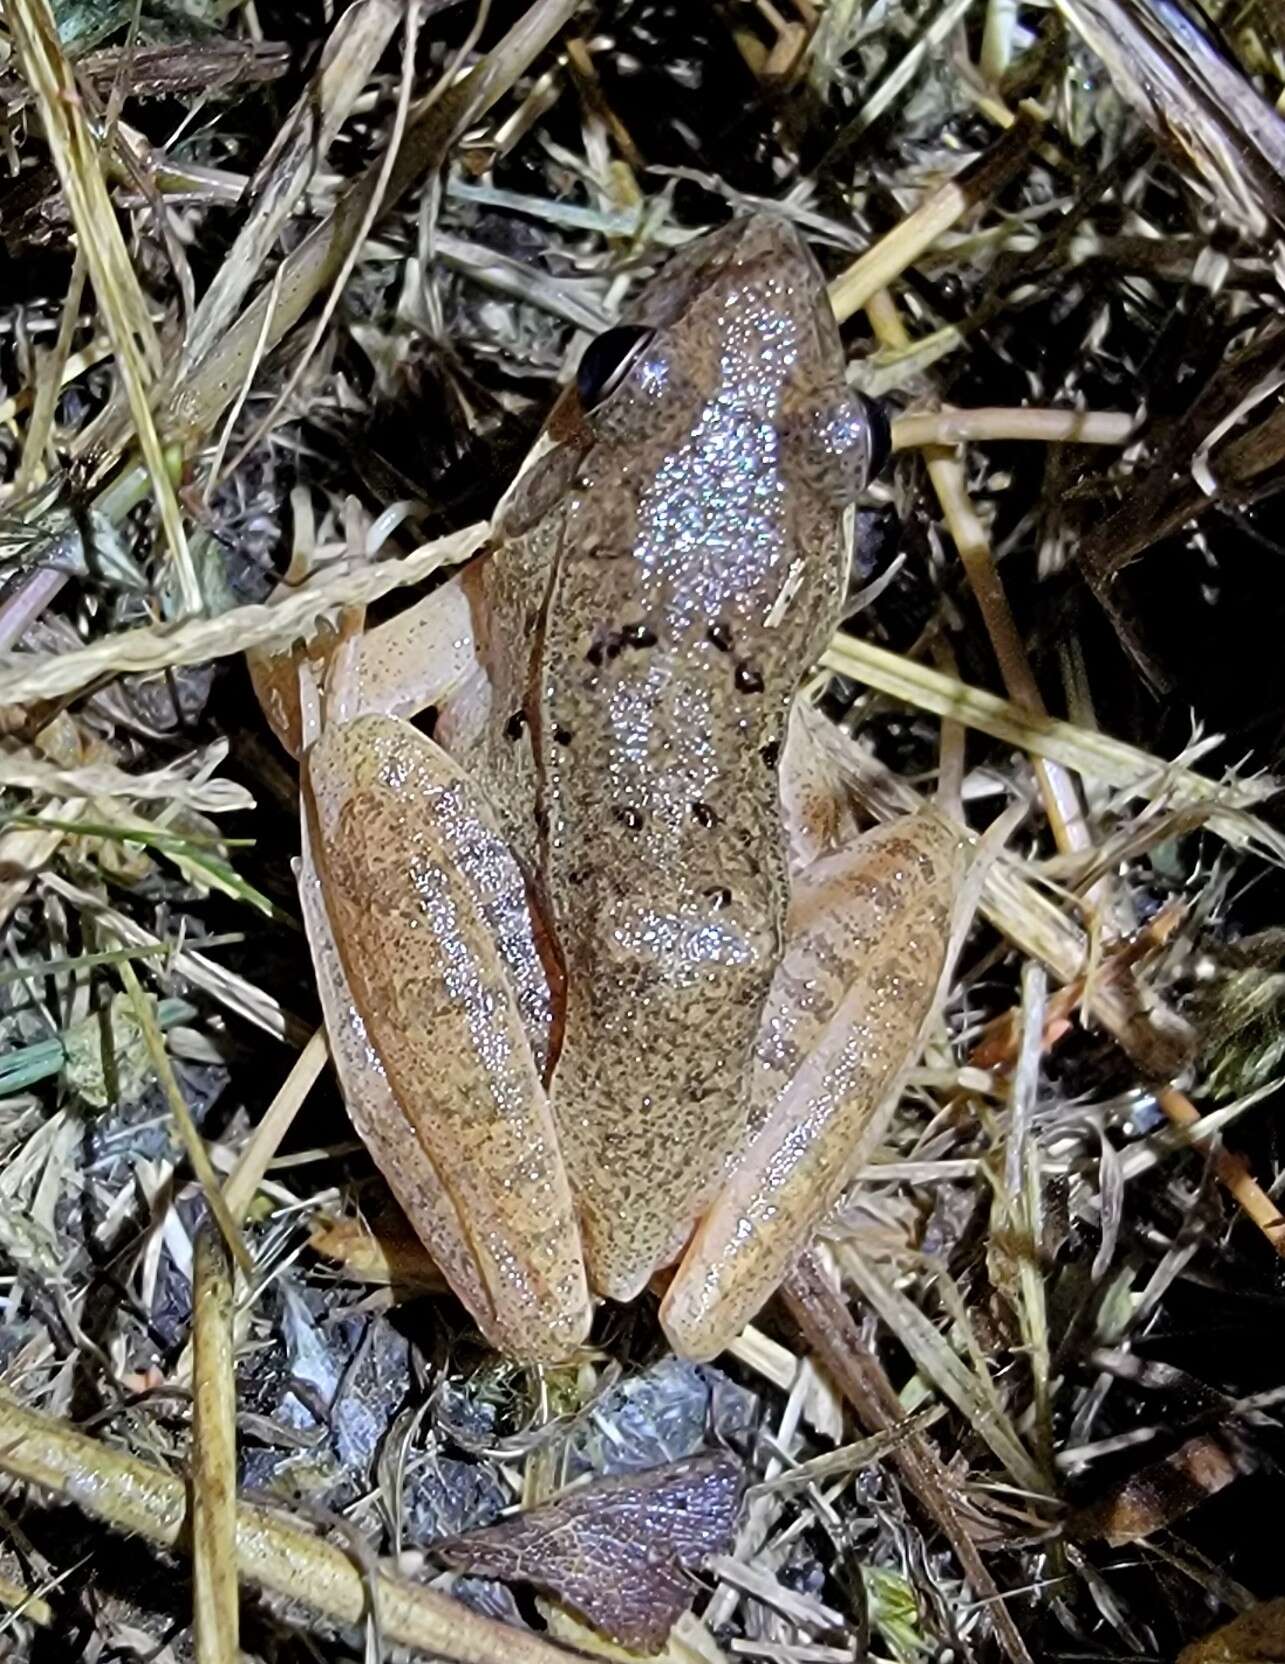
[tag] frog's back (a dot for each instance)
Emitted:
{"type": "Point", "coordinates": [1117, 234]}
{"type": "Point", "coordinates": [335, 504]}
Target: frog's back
{"type": "Point", "coordinates": [697, 570]}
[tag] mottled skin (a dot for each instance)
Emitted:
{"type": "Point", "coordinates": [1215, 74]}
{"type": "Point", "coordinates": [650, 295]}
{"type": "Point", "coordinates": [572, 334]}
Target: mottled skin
{"type": "Point", "coordinates": [642, 631]}
{"type": "Point", "coordinates": [615, 693]}
{"type": "Point", "coordinates": [866, 951]}
{"type": "Point", "coordinates": [429, 911]}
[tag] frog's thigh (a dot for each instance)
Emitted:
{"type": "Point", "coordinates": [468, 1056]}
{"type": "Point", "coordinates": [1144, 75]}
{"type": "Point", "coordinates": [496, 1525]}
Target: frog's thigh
{"type": "Point", "coordinates": [396, 1150]}
{"type": "Point", "coordinates": [418, 890]}
{"type": "Point", "coordinates": [867, 939]}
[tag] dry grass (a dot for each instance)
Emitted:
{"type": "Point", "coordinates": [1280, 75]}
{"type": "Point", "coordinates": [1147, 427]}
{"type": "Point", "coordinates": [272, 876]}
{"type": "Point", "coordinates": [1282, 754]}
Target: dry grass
{"type": "Point", "coordinates": [300, 286]}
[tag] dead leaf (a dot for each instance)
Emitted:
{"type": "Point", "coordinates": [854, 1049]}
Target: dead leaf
{"type": "Point", "coordinates": [617, 1551]}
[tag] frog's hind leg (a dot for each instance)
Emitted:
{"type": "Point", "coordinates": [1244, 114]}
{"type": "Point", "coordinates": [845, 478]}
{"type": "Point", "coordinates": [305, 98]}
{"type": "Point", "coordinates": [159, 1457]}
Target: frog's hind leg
{"type": "Point", "coordinates": [867, 944]}
{"type": "Point", "coordinates": [417, 918]}
{"type": "Point", "coordinates": [426, 656]}
{"type": "Point", "coordinates": [374, 1111]}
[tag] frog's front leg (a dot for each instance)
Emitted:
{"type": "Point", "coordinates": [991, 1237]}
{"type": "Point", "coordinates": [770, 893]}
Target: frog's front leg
{"type": "Point", "coordinates": [867, 939]}
{"type": "Point", "coordinates": [438, 1006]}
{"type": "Point", "coordinates": [426, 655]}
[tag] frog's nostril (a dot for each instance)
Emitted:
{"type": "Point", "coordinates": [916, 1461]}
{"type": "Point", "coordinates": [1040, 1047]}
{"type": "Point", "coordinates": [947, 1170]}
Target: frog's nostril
{"type": "Point", "coordinates": [876, 413]}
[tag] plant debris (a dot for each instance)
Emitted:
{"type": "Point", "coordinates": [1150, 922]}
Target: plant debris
{"type": "Point", "coordinates": [618, 1550]}
{"type": "Point", "coordinates": [286, 297]}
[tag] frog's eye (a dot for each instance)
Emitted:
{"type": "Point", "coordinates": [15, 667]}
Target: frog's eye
{"type": "Point", "coordinates": [880, 431]}
{"type": "Point", "coordinates": [608, 359]}
{"type": "Point", "coordinates": [836, 445]}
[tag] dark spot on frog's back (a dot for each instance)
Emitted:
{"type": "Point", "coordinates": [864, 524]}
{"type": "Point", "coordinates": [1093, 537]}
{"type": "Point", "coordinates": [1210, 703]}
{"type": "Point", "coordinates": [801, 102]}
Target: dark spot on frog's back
{"type": "Point", "coordinates": [703, 815]}
{"type": "Point", "coordinates": [720, 635]}
{"type": "Point", "coordinates": [628, 816]}
{"type": "Point", "coordinates": [605, 646]}
{"type": "Point", "coordinates": [909, 858]}
{"type": "Point", "coordinates": [638, 635]}
{"type": "Point", "coordinates": [515, 727]}
{"type": "Point", "coordinates": [749, 679]}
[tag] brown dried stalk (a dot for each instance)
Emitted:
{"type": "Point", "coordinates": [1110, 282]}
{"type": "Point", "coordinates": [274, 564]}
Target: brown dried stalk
{"type": "Point", "coordinates": [196, 398]}
{"type": "Point", "coordinates": [299, 150]}
{"type": "Point", "coordinates": [164, 70]}
{"type": "Point", "coordinates": [946, 471]}
{"type": "Point", "coordinates": [1200, 105]}
{"type": "Point", "coordinates": [822, 1314]}
{"type": "Point", "coordinates": [216, 1606]}
{"type": "Point", "coordinates": [76, 157]}
{"type": "Point", "coordinates": [188, 1132]}
{"type": "Point", "coordinates": [944, 207]}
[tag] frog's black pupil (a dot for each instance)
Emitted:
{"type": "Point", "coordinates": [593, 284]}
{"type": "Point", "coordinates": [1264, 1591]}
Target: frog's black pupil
{"type": "Point", "coordinates": [880, 434]}
{"type": "Point", "coordinates": [606, 361]}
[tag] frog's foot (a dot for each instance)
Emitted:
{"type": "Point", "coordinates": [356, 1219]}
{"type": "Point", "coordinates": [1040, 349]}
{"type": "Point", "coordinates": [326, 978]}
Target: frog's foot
{"type": "Point", "coordinates": [438, 1012]}
{"type": "Point", "coordinates": [816, 807]}
{"type": "Point", "coordinates": [868, 933]}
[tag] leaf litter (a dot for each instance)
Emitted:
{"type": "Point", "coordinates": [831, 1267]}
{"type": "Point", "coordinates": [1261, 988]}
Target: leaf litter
{"type": "Point", "coordinates": [300, 288]}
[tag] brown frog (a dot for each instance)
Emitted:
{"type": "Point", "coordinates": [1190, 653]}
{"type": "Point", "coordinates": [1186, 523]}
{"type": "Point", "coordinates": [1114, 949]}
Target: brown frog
{"type": "Point", "coordinates": [603, 992]}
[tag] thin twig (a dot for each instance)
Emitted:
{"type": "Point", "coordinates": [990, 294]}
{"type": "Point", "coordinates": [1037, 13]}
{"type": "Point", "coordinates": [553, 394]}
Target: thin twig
{"type": "Point", "coordinates": [823, 1316]}
{"type": "Point", "coordinates": [1046, 427]}
{"type": "Point", "coordinates": [946, 471]}
{"type": "Point", "coordinates": [941, 209]}
{"type": "Point", "coordinates": [216, 1608]}
{"type": "Point", "coordinates": [1233, 1172]}
{"type": "Point", "coordinates": [262, 1146]}
{"type": "Point", "coordinates": [190, 1137]}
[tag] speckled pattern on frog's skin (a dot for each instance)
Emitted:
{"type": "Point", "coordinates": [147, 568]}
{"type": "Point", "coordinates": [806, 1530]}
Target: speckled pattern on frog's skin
{"type": "Point", "coordinates": [421, 892]}
{"type": "Point", "coordinates": [666, 574]}
{"type": "Point", "coordinates": [868, 934]}
{"type": "Point", "coordinates": [393, 1139]}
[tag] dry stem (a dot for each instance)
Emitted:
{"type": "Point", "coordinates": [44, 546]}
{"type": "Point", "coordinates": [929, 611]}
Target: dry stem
{"type": "Point", "coordinates": [215, 1600]}
{"type": "Point", "coordinates": [271, 1553]}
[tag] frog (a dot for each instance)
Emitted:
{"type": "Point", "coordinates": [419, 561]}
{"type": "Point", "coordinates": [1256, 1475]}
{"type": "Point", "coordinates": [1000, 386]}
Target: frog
{"type": "Point", "coordinates": [617, 994]}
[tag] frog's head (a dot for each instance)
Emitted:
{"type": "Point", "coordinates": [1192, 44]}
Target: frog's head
{"type": "Point", "coordinates": [735, 332]}
{"type": "Point", "coordinates": [740, 317]}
